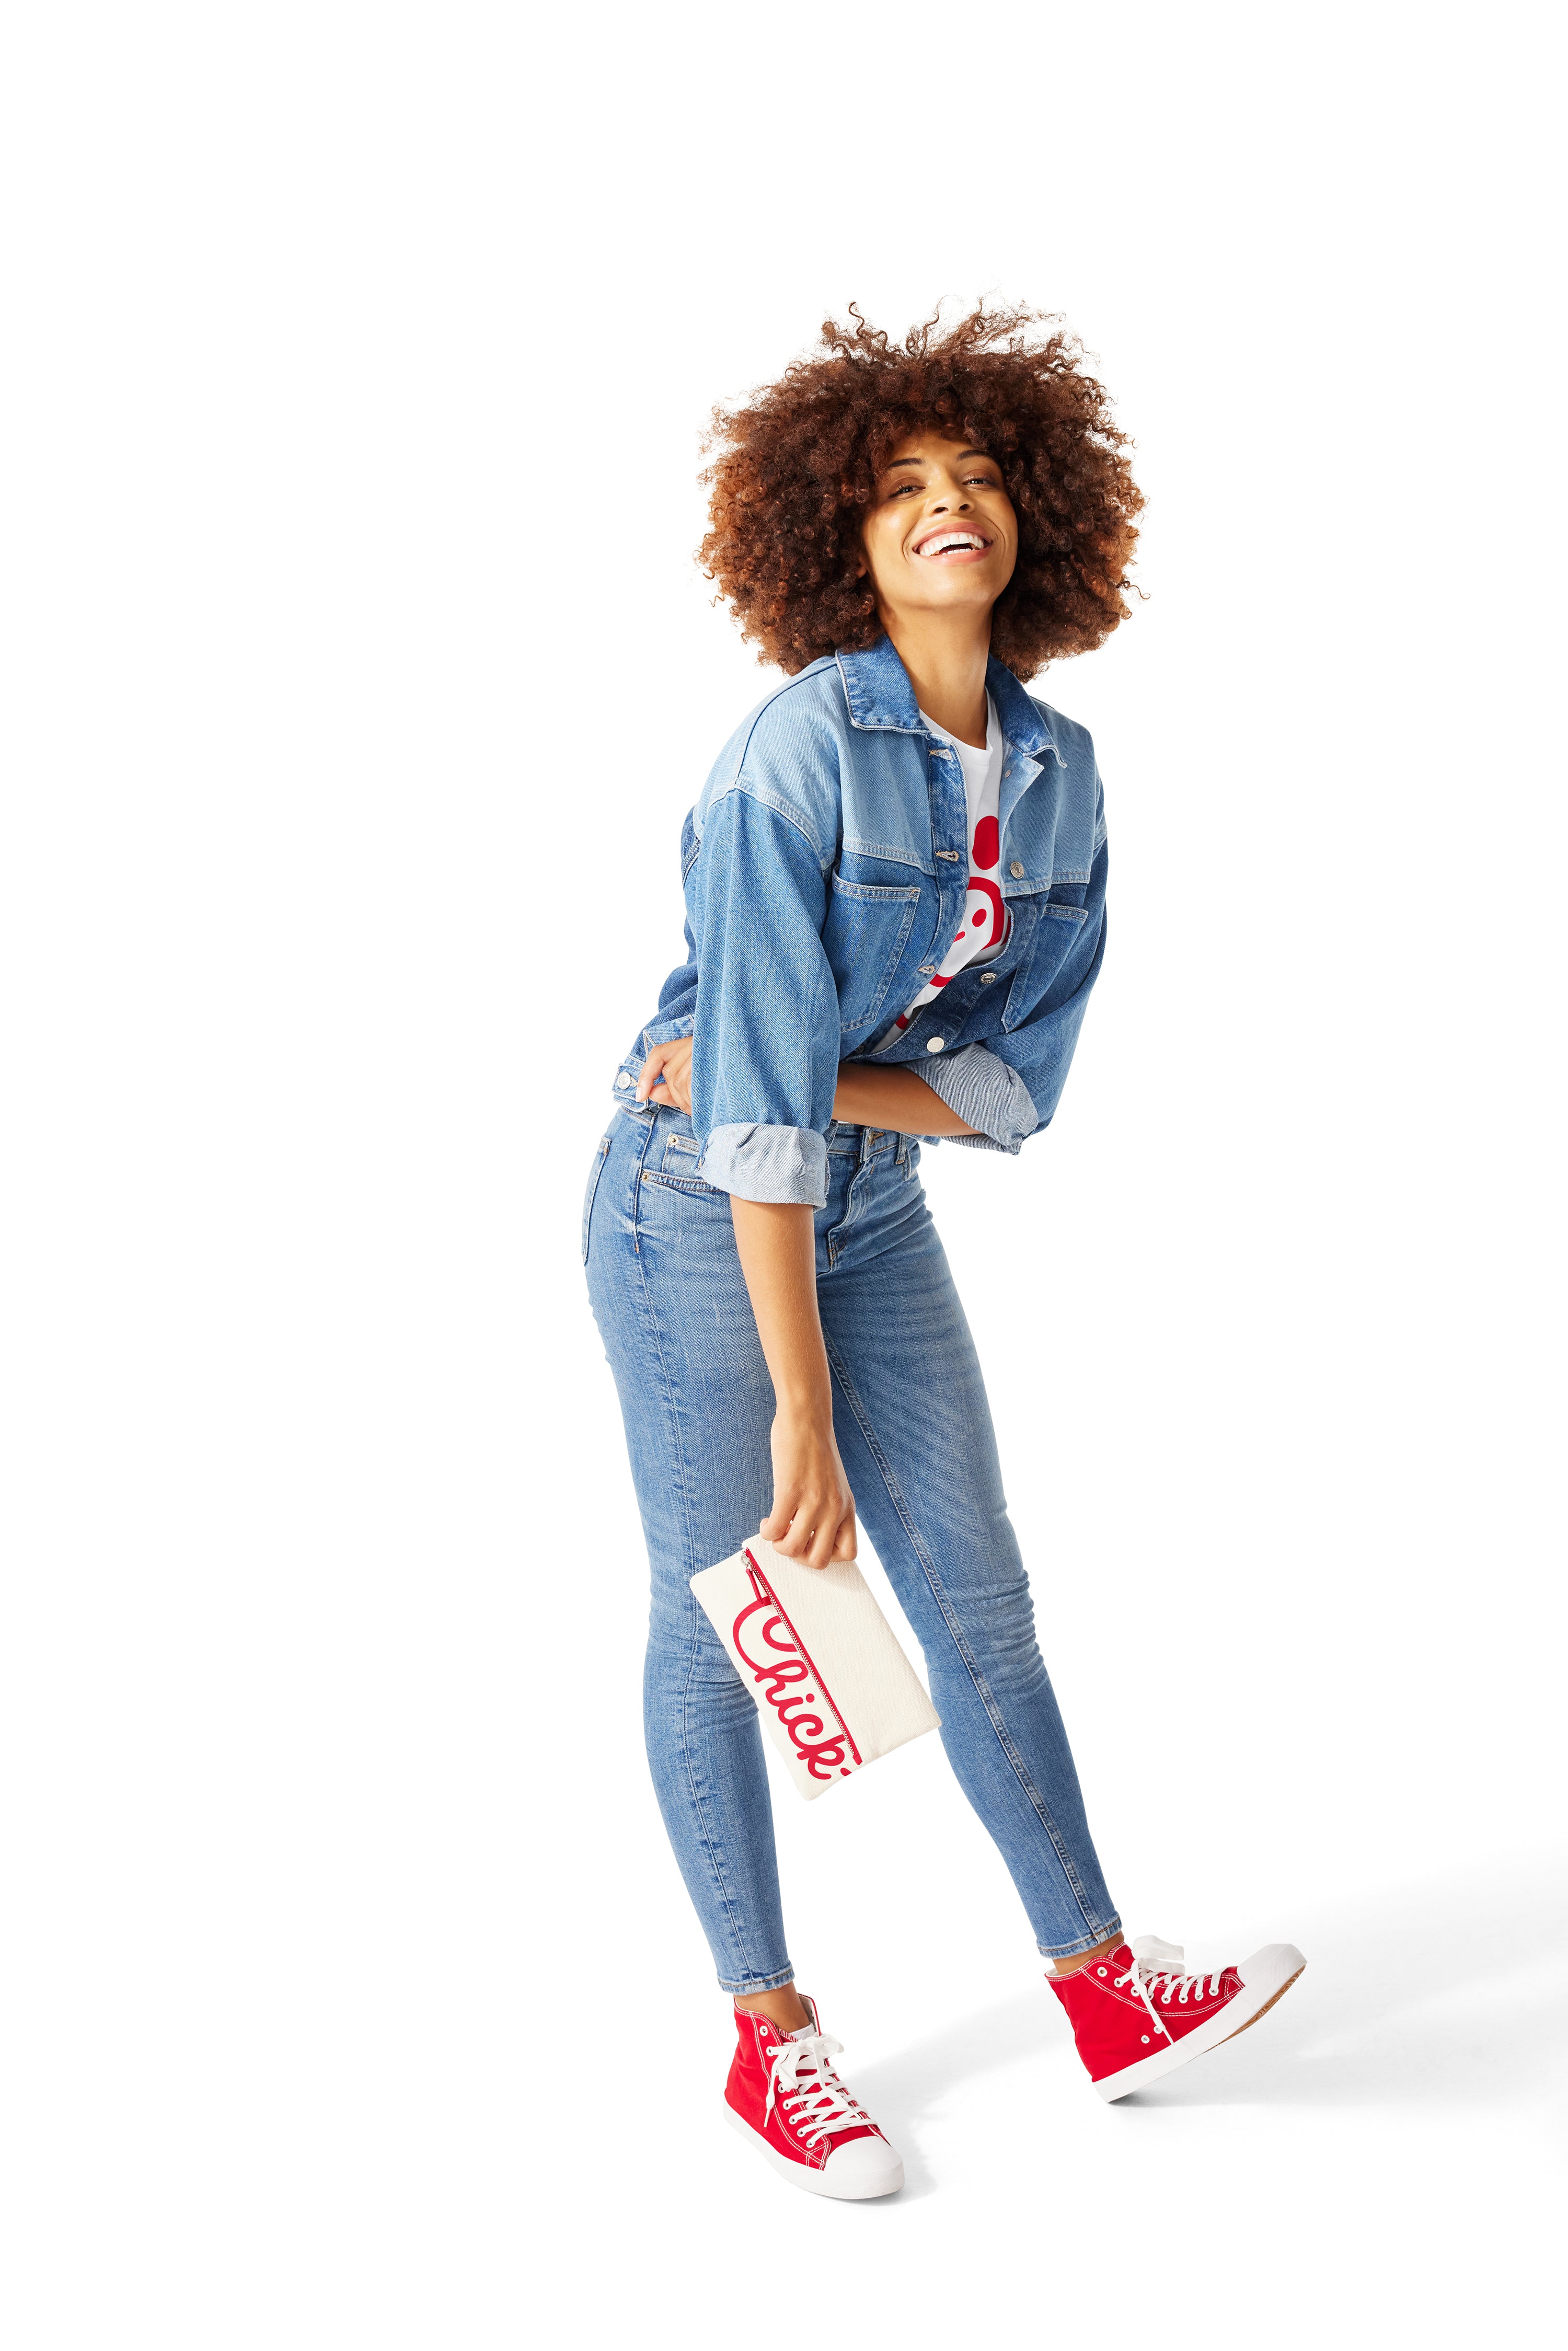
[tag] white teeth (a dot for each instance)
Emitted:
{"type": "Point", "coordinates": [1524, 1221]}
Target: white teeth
{"type": "Point", "coordinates": [951, 539]}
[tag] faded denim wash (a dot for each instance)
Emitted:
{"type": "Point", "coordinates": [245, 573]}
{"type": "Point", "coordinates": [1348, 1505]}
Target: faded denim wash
{"type": "Point", "coordinates": [825, 866]}
{"type": "Point", "coordinates": [915, 1430]}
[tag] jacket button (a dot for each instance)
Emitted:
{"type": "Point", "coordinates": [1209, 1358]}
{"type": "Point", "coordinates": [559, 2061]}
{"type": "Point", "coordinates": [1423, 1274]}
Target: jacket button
{"type": "Point", "coordinates": [986, 978]}
{"type": "Point", "coordinates": [622, 1077]}
{"type": "Point", "coordinates": [950, 857]}
{"type": "Point", "coordinates": [934, 1044]}
{"type": "Point", "coordinates": [1016, 869]}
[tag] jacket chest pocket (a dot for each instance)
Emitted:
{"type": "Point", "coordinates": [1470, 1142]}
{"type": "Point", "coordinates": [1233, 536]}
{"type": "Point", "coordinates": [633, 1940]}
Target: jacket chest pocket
{"type": "Point", "coordinates": [865, 933]}
{"type": "Point", "coordinates": [1057, 931]}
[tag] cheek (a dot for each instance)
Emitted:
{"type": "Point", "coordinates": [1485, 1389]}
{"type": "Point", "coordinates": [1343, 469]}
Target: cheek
{"type": "Point", "coordinates": [1009, 524]}
{"type": "Point", "coordinates": [879, 545]}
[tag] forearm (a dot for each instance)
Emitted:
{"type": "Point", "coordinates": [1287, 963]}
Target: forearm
{"type": "Point", "coordinates": [892, 1098]}
{"type": "Point", "coordinates": [777, 1249]}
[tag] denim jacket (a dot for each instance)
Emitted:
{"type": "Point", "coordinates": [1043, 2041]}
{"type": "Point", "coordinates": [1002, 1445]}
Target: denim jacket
{"type": "Point", "coordinates": [825, 867]}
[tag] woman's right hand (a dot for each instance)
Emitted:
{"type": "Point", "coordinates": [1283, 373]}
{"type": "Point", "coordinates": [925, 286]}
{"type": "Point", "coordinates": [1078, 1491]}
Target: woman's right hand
{"type": "Point", "coordinates": [813, 1513]}
{"type": "Point", "coordinates": [667, 1073]}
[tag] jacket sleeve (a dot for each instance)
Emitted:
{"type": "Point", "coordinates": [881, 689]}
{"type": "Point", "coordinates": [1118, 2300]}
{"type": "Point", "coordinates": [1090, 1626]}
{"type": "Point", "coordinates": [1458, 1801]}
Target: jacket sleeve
{"type": "Point", "coordinates": [765, 1056]}
{"type": "Point", "coordinates": [1009, 1087]}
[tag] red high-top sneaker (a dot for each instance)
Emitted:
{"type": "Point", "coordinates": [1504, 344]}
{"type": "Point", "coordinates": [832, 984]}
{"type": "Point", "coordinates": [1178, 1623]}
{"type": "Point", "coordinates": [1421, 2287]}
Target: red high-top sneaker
{"type": "Point", "coordinates": [1137, 2015]}
{"type": "Point", "coordinates": [785, 2098]}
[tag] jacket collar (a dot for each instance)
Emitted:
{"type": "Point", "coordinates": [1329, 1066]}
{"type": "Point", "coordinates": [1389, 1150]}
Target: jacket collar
{"type": "Point", "coordinates": [878, 691]}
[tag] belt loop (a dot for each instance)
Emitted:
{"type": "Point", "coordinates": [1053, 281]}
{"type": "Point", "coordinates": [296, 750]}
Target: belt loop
{"type": "Point", "coordinates": [901, 1151]}
{"type": "Point", "coordinates": [868, 1136]}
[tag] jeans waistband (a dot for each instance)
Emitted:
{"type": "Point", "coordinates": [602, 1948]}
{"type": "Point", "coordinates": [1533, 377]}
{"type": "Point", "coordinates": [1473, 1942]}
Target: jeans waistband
{"type": "Point", "coordinates": [845, 1141]}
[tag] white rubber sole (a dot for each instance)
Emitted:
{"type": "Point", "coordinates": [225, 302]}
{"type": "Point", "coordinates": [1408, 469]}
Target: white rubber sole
{"type": "Point", "coordinates": [1265, 1977]}
{"type": "Point", "coordinates": [817, 2183]}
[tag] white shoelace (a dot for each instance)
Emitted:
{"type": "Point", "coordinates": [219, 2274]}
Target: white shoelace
{"type": "Point", "coordinates": [1156, 1964]}
{"type": "Point", "coordinates": [801, 2076]}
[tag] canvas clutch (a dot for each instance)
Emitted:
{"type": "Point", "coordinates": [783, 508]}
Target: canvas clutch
{"type": "Point", "coordinates": [832, 1686]}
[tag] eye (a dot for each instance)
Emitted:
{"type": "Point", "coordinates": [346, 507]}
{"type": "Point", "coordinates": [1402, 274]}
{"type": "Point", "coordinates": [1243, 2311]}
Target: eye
{"type": "Point", "coordinates": [898, 493]}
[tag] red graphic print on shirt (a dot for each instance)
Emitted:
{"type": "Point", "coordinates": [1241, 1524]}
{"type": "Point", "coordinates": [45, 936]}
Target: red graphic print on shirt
{"type": "Point", "coordinates": [985, 923]}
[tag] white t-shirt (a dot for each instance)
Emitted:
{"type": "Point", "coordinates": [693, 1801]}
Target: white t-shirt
{"type": "Point", "coordinates": [983, 931]}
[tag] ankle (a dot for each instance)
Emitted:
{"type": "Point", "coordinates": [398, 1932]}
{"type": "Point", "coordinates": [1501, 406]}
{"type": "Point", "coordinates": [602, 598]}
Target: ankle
{"type": "Point", "coordinates": [1076, 1959]}
{"type": "Point", "coordinates": [783, 2008]}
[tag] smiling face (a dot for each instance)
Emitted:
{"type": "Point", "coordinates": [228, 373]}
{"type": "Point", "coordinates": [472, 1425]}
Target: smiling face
{"type": "Point", "coordinates": [940, 533]}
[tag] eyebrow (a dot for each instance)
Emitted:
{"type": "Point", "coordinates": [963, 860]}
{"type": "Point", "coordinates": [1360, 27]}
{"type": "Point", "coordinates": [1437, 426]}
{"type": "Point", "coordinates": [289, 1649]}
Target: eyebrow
{"type": "Point", "coordinates": [894, 461]}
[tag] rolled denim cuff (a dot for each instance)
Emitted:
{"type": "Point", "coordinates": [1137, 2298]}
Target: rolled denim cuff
{"type": "Point", "coordinates": [987, 1094]}
{"type": "Point", "coordinates": [661, 1031]}
{"type": "Point", "coordinates": [767, 1163]}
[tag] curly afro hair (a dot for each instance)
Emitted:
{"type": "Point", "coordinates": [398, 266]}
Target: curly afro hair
{"type": "Point", "coordinates": [794, 469]}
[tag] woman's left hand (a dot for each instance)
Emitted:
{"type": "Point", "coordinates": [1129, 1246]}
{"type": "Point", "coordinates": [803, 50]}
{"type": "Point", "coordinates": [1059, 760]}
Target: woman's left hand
{"type": "Point", "coordinates": [666, 1079]}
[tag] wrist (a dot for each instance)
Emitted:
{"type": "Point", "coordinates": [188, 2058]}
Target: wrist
{"type": "Point", "coordinates": [805, 1400]}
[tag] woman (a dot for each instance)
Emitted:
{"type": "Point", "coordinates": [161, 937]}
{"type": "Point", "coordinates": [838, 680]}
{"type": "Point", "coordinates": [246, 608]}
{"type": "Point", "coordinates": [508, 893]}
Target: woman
{"type": "Point", "coordinates": [895, 898]}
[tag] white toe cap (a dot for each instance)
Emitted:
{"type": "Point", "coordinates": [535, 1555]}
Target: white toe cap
{"type": "Point", "coordinates": [1271, 1968]}
{"type": "Point", "coordinates": [865, 2166]}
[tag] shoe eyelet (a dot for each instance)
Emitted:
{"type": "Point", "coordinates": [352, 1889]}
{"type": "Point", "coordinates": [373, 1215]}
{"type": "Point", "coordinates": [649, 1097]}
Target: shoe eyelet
{"type": "Point", "coordinates": [1146, 2040]}
{"type": "Point", "coordinates": [1102, 1970]}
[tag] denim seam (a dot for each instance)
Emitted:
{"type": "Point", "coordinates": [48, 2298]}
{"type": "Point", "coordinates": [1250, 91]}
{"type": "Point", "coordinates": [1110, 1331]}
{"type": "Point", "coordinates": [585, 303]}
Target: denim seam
{"type": "Point", "coordinates": [1070, 1950]}
{"type": "Point", "coordinates": [777, 694]}
{"type": "Point", "coordinates": [1030, 885]}
{"type": "Point", "coordinates": [895, 1495]}
{"type": "Point", "coordinates": [595, 1172]}
{"type": "Point", "coordinates": [682, 1184]}
{"type": "Point", "coordinates": [874, 893]}
{"type": "Point", "coordinates": [776, 805]}
{"type": "Point", "coordinates": [709, 1844]}
{"type": "Point", "coordinates": [777, 1983]}
{"type": "Point", "coordinates": [853, 1203]}
{"type": "Point", "coordinates": [894, 854]}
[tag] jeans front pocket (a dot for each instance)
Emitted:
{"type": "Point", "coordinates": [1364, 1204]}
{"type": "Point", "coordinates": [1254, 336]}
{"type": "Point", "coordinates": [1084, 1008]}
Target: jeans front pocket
{"type": "Point", "coordinates": [594, 1172]}
{"type": "Point", "coordinates": [676, 1164]}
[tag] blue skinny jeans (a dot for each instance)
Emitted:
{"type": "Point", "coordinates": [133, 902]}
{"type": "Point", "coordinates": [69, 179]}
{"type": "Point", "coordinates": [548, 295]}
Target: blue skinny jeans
{"type": "Point", "coordinates": [914, 1431]}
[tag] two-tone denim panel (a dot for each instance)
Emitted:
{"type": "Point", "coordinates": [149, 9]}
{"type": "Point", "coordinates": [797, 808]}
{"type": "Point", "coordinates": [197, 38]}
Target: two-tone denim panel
{"type": "Point", "coordinates": [826, 867]}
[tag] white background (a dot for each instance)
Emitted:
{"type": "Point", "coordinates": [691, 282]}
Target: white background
{"type": "Point", "coordinates": [359, 678]}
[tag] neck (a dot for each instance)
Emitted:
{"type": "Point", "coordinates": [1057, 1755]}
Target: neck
{"type": "Point", "coordinates": [945, 654]}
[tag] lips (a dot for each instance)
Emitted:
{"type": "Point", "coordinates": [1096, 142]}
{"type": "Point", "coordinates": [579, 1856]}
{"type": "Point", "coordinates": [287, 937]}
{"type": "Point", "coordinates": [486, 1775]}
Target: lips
{"type": "Point", "coordinates": [950, 545]}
